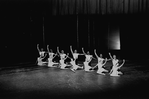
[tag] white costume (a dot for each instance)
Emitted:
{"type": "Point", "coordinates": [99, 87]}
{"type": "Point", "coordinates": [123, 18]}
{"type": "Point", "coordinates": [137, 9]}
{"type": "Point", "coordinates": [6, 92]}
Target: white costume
{"type": "Point", "coordinates": [50, 62]}
{"type": "Point", "coordinates": [62, 64]}
{"type": "Point", "coordinates": [100, 66]}
{"type": "Point", "coordinates": [41, 53]}
{"type": "Point", "coordinates": [51, 54]}
{"type": "Point", "coordinates": [88, 58]}
{"type": "Point", "coordinates": [40, 62]}
{"type": "Point", "coordinates": [114, 70]}
{"type": "Point", "coordinates": [86, 66]}
{"type": "Point", "coordinates": [62, 56]}
{"type": "Point", "coordinates": [74, 66]}
{"type": "Point", "coordinates": [86, 63]}
{"type": "Point", "coordinates": [75, 55]}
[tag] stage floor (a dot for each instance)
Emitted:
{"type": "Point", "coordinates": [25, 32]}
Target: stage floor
{"type": "Point", "coordinates": [35, 82]}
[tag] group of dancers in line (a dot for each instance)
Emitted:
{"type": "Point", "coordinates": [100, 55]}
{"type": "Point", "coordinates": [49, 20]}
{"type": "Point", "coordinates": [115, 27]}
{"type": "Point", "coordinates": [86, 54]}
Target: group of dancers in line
{"type": "Point", "coordinates": [115, 71]}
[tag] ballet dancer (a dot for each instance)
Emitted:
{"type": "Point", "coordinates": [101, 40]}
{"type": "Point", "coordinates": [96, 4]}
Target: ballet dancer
{"type": "Point", "coordinates": [100, 64]}
{"type": "Point", "coordinates": [41, 52]}
{"type": "Point", "coordinates": [74, 67]}
{"type": "Point", "coordinates": [75, 54]}
{"type": "Point", "coordinates": [63, 57]}
{"type": "Point", "coordinates": [51, 57]}
{"type": "Point", "coordinates": [114, 59]}
{"type": "Point", "coordinates": [40, 62]}
{"type": "Point", "coordinates": [115, 64]}
{"type": "Point", "coordinates": [88, 59]}
{"type": "Point", "coordinates": [114, 71]}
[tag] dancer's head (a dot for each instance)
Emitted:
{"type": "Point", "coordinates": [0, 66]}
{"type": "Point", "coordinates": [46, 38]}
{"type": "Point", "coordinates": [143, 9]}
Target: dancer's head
{"type": "Point", "coordinates": [62, 51]}
{"type": "Point", "coordinates": [41, 49]}
{"type": "Point", "coordinates": [100, 55]}
{"type": "Point", "coordinates": [75, 51]}
{"type": "Point", "coordinates": [114, 56]}
{"type": "Point", "coordinates": [88, 53]}
{"type": "Point", "coordinates": [51, 50]}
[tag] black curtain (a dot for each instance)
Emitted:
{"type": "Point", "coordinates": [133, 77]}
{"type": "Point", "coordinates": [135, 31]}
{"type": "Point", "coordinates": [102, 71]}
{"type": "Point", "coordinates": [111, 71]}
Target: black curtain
{"type": "Point", "coordinates": [80, 23]}
{"type": "Point", "coordinates": [63, 7]}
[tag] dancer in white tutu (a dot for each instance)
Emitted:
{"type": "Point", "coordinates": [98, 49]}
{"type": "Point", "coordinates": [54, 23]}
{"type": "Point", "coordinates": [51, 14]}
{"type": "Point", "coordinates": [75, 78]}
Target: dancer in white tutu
{"type": "Point", "coordinates": [100, 64]}
{"type": "Point", "coordinates": [51, 57]}
{"type": "Point", "coordinates": [88, 59]}
{"type": "Point", "coordinates": [63, 57]}
{"type": "Point", "coordinates": [114, 71]}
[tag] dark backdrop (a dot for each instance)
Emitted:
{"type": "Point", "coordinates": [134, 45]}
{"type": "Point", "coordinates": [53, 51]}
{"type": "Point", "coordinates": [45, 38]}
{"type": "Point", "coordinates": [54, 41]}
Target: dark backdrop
{"type": "Point", "coordinates": [72, 22]}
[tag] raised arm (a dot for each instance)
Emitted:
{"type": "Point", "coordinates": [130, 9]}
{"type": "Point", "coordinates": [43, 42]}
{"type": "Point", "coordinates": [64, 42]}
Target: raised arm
{"type": "Point", "coordinates": [95, 53]}
{"type": "Point", "coordinates": [48, 48]}
{"type": "Point", "coordinates": [58, 50]}
{"type": "Point", "coordinates": [71, 49]}
{"type": "Point", "coordinates": [44, 56]}
{"type": "Point", "coordinates": [110, 56]}
{"type": "Point", "coordinates": [38, 48]}
{"type": "Point", "coordinates": [67, 56]}
{"type": "Point", "coordinates": [83, 51]}
{"type": "Point", "coordinates": [105, 62]}
{"type": "Point", "coordinates": [55, 55]}
{"type": "Point", "coordinates": [122, 64]}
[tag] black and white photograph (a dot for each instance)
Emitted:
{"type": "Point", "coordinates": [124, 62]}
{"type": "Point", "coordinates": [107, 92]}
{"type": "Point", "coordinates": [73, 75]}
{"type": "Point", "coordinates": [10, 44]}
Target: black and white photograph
{"type": "Point", "coordinates": [74, 49]}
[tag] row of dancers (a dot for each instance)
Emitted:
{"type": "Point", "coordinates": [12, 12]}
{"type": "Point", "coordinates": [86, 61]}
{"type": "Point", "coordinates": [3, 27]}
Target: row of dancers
{"type": "Point", "coordinates": [115, 71]}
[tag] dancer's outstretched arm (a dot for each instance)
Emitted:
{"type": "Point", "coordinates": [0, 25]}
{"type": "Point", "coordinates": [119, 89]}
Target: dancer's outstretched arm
{"type": "Point", "coordinates": [58, 50]}
{"type": "Point", "coordinates": [71, 49]}
{"type": "Point", "coordinates": [44, 56]}
{"type": "Point", "coordinates": [110, 56]}
{"type": "Point", "coordinates": [83, 51]}
{"type": "Point", "coordinates": [95, 66]}
{"type": "Point", "coordinates": [121, 64]}
{"type": "Point", "coordinates": [38, 48]}
{"type": "Point", "coordinates": [67, 56]}
{"type": "Point", "coordinates": [48, 48]}
{"type": "Point", "coordinates": [105, 62]}
{"type": "Point", "coordinates": [95, 53]}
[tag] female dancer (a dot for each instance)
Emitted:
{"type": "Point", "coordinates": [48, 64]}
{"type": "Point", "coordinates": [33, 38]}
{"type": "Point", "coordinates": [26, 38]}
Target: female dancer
{"type": "Point", "coordinates": [100, 64]}
{"type": "Point", "coordinates": [41, 52]}
{"type": "Point", "coordinates": [74, 54]}
{"type": "Point", "coordinates": [40, 62]}
{"type": "Point", "coordinates": [63, 57]}
{"type": "Point", "coordinates": [74, 66]}
{"type": "Point", "coordinates": [87, 60]}
{"type": "Point", "coordinates": [51, 57]}
{"type": "Point", "coordinates": [114, 71]}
